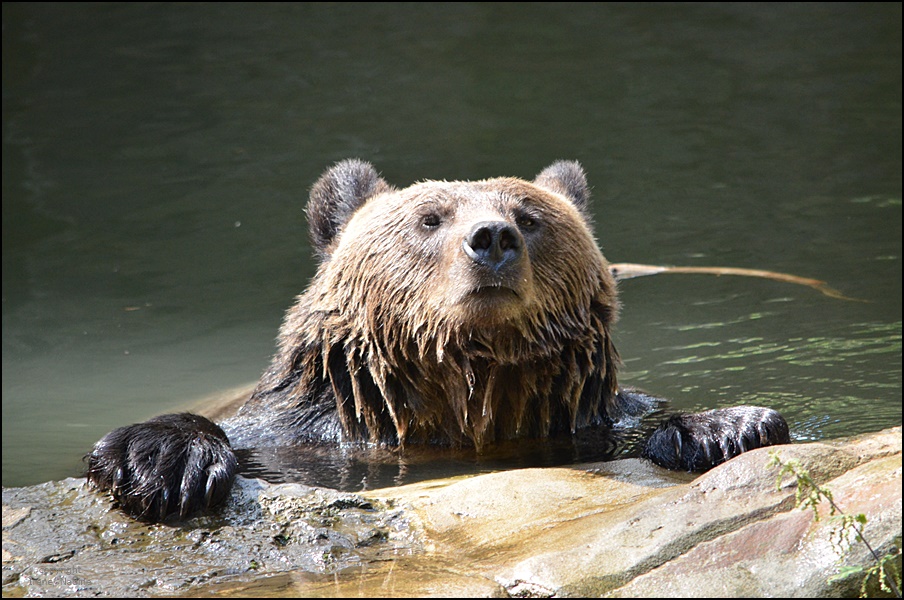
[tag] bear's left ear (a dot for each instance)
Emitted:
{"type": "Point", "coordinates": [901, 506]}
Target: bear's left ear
{"type": "Point", "coordinates": [567, 178]}
{"type": "Point", "coordinates": [335, 197]}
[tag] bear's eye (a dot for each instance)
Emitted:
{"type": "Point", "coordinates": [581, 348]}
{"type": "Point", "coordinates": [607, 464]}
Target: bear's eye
{"type": "Point", "coordinates": [431, 220]}
{"type": "Point", "coordinates": [526, 221]}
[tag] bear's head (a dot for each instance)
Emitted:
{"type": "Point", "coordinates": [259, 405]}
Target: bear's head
{"type": "Point", "coordinates": [460, 311]}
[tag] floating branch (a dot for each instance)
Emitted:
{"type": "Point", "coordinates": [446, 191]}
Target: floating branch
{"type": "Point", "coordinates": [631, 270]}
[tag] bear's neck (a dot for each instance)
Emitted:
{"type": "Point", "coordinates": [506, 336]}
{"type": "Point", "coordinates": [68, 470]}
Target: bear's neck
{"type": "Point", "coordinates": [462, 388]}
{"type": "Point", "coordinates": [469, 392]}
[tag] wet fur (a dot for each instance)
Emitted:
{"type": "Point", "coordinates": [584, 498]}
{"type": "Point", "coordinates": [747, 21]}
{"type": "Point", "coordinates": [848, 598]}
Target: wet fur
{"type": "Point", "coordinates": [431, 369]}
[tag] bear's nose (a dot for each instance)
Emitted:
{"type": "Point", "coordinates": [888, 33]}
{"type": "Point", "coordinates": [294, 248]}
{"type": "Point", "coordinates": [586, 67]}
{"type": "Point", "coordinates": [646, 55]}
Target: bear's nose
{"type": "Point", "coordinates": [494, 244]}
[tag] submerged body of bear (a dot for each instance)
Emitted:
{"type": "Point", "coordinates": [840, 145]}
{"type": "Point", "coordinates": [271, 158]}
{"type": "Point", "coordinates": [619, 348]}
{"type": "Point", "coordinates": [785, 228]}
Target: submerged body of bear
{"type": "Point", "coordinates": [458, 313]}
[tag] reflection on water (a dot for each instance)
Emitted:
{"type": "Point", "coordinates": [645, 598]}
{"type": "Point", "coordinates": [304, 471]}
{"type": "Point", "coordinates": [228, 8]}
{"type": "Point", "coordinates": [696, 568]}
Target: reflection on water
{"type": "Point", "coordinates": [156, 162]}
{"type": "Point", "coordinates": [831, 372]}
{"type": "Point", "coordinates": [354, 468]}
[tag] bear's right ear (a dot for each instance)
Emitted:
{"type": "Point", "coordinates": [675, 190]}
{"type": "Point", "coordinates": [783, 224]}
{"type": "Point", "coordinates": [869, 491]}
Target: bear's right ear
{"type": "Point", "coordinates": [567, 177]}
{"type": "Point", "coordinates": [335, 197]}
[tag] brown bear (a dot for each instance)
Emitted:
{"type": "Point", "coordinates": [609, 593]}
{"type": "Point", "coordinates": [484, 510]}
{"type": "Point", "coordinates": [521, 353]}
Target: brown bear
{"type": "Point", "coordinates": [457, 313]}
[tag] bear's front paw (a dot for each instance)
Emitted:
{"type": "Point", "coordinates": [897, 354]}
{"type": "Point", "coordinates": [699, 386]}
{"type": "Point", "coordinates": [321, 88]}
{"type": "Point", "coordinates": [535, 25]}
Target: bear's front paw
{"type": "Point", "coordinates": [174, 465]}
{"type": "Point", "coordinates": [699, 442]}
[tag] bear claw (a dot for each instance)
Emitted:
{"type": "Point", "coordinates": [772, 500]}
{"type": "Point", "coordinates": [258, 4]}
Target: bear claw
{"type": "Point", "coordinates": [700, 441]}
{"type": "Point", "coordinates": [170, 466]}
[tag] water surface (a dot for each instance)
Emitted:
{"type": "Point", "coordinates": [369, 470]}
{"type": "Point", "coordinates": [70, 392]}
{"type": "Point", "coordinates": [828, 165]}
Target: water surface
{"type": "Point", "coordinates": [156, 162]}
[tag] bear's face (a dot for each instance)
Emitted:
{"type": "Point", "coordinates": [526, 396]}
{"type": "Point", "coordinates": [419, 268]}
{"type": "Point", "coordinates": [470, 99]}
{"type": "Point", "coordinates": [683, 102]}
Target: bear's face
{"type": "Point", "coordinates": [476, 254]}
{"type": "Point", "coordinates": [441, 256]}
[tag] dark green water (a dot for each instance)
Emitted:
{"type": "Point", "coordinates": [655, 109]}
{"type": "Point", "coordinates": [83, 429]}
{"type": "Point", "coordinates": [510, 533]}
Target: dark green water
{"type": "Point", "coordinates": [156, 161]}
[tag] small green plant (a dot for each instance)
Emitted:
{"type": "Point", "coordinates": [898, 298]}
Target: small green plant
{"type": "Point", "coordinates": [850, 528]}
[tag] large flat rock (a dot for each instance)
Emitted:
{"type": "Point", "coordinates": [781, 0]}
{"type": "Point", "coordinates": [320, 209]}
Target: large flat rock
{"type": "Point", "coordinates": [624, 528]}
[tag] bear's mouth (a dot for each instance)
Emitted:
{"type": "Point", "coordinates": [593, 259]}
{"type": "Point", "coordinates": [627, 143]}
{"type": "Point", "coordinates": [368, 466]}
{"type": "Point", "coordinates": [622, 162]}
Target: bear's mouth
{"type": "Point", "coordinates": [488, 304]}
{"type": "Point", "coordinates": [494, 292]}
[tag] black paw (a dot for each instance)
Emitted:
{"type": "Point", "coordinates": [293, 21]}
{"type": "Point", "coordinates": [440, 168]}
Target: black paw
{"type": "Point", "coordinates": [699, 442]}
{"type": "Point", "coordinates": [174, 465]}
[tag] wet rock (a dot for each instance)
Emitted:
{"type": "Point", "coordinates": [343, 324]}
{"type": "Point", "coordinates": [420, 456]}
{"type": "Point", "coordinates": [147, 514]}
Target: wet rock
{"type": "Point", "coordinates": [72, 542]}
{"type": "Point", "coordinates": [625, 528]}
